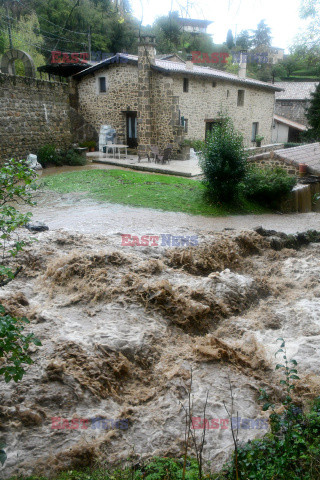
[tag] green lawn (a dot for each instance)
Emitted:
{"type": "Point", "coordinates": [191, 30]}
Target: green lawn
{"type": "Point", "coordinates": [163, 192]}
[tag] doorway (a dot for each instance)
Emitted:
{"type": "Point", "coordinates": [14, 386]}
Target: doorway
{"type": "Point", "coordinates": [131, 121]}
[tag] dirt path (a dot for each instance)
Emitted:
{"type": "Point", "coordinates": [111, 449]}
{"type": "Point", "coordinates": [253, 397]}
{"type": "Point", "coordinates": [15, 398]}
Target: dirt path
{"type": "Point", "coordinates": [73, 212]}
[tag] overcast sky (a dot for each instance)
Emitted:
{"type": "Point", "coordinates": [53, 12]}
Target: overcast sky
{"type": "Point", "coordinates": [281, 15]}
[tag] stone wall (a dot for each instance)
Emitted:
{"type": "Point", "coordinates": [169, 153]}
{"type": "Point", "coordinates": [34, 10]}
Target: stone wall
{"type": "Point", "coordinates": [272, 160]}
{"type": "Point", "coordinates": [206, 98]}
{"type": "Point", "coordinates": [264, 149]}
{"type": "Point", "coordinates": [293, 110]}
{"type": "Point", "coordinates": [32, 113]}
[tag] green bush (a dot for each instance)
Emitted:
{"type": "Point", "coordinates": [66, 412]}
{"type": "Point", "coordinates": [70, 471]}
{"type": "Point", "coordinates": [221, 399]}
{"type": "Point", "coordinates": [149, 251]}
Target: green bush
{"type": "Point", "coordinates": [73, 158]}
{"type": "Point", "coordinates": [292, 448]}
{"type": "Point", "coordinates": [223, 161]}
{"type": "Point", "coordinates": [89, 144]}
{"type": "Point", "coordinates": [48, 155]}
{"type": "Point", "coordinates": [267, 186]}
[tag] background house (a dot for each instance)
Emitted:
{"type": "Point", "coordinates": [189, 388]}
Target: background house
{"type": "Point", "coordinates": [191, 25]}
{"type": "Point", "coordinates": [293, 100]}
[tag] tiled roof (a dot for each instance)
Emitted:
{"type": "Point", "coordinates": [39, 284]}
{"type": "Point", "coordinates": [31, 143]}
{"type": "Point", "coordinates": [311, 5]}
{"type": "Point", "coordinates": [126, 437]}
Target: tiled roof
{"type": "Point", "coordinates": [295, 90]}
{"type": "Point", "coordinates": [308, 154]}
{"type": "Point", "coordinates": [179, 67]}
{"type": "Point", "coordinates": [176, 67]}
{"type": "Point", "coordinates": [290, 123]}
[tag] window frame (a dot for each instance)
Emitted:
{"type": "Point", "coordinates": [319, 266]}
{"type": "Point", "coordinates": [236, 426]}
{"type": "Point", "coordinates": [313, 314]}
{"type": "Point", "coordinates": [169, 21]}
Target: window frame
{"type": "Point", "coordinates": [240, 98]}
{"type": "Point", "coordinates": [105, 84]}
{"type": "Point", "coordinates": [253, 137]}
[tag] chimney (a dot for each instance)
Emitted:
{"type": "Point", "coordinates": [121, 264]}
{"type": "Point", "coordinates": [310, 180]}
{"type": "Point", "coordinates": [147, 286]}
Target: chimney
{"type": "Point", "coordinates": [147, 49]}
{"type": "Point", "coordinates": [189, 63]}
{"type": "Point", "coordinates": [243, 63]}
{"type": "Point", "coordinates": [146, 58]}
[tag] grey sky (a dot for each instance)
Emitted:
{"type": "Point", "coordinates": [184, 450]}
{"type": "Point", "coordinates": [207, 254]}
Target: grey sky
{"type": "Point", "coordinates": [281, 15]}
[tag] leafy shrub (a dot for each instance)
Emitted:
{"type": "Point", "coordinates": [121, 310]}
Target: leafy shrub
{"type": "Point", "coordinates": [292, 449]}
{"type": "Point", "coordinates": [16, 185]}
{"type": "Point", "coordinates": [48, 155]}
{"type": "Point", "coordinates": [267, 186]}
{"type": "Point", "coordinates": [89, 144]}
{"type": "Point", "coordinates": [14, 346]}
{"type": "Point", "coordinates": [223, 162]}
{"type": "Point", "coordinates": [197, 145]}
{"type": "Point", "coordinates": [73, 158]}
{"type": "Point", "coordinates": [292, 145]}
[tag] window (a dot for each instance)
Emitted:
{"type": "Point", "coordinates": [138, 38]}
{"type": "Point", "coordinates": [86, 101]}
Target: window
{"type": "Point", "coordinates": [240, 102]}
{"type": "Point", "coordinates": [255, 129]}
{"type": "Point", "coordinates": [214, 84]}
{"type": "Point", "coordinates": [228, 93]}
{"type": "Point", "coordinates": [102, 85]}
{"type": "Point", "coordinates": [186, 85]}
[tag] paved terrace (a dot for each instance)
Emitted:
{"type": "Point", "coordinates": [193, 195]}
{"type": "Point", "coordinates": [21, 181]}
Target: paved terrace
{"type": "Point", "coordinates": [182, 168]}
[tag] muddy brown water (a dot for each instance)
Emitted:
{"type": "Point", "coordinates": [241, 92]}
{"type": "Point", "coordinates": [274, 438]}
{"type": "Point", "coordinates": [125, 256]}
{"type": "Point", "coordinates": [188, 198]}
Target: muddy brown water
{"type": "Point", "coordinates": [122, 327]}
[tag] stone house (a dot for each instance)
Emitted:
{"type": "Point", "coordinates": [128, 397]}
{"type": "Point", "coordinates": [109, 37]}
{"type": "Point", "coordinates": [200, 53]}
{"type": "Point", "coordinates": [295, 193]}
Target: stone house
{"type": "Point", "coordinates": [293, 99]}
{"type": "Point", "coordinates": [155, 101]}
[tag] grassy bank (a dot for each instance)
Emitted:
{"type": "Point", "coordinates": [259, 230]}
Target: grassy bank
{"type": "Point", "coordinates": [163, 192]}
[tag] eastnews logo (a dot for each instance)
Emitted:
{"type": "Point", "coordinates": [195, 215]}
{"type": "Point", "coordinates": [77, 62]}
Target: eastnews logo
{"type": "Point", "coordinates": [162, 240]}
{"type": "Point", "coordinates": [199, 423]}
{"type": "Point", "coordinates": [221, 57]}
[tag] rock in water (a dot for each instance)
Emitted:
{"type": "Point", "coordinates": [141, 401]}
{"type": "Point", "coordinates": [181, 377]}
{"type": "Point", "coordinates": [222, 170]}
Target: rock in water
{"type": "Point", "coordinates": [36, 227]}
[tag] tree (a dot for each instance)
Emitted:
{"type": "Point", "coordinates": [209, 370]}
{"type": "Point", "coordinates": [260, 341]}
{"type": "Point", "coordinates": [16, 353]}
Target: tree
{"type": "Point", "coordinates": [16, 185]}
{"type": "Point", "coordinates": [290, 64]}
{"type": "Point", "coordinates": [262, 36]}
{"type": "Point", "coordinates": [223, 162]}
{"type": "Point", "coordinates": [230, 40]}
{"type": "Point", "coordinates": [313, 116]}
{"type": "Point", "coordinates": [244, 40]}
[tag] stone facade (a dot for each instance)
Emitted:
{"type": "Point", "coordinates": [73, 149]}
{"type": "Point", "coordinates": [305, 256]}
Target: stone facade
{"type": "Point", "coordinates": [160, 99]}
{"type": "Point", "coordinates": [205, 99]}
{"type": "Point", "coordinates": [32, 113]}
{"type": "Point", "coordinates": [269, 160]}
{"type": "Point", "coordinates": [293, 110]}
{"type": "Point", "coordinates": [109, 108]}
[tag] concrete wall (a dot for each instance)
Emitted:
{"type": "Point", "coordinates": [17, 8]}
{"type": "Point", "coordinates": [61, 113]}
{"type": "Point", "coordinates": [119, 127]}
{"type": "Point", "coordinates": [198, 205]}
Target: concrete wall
{"type": "Point", "coordinates": [205, 101]}
{"type": "Point", "coordinates": [32, 113]}
{"type": "Point", "coordinates": [292, 109]}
